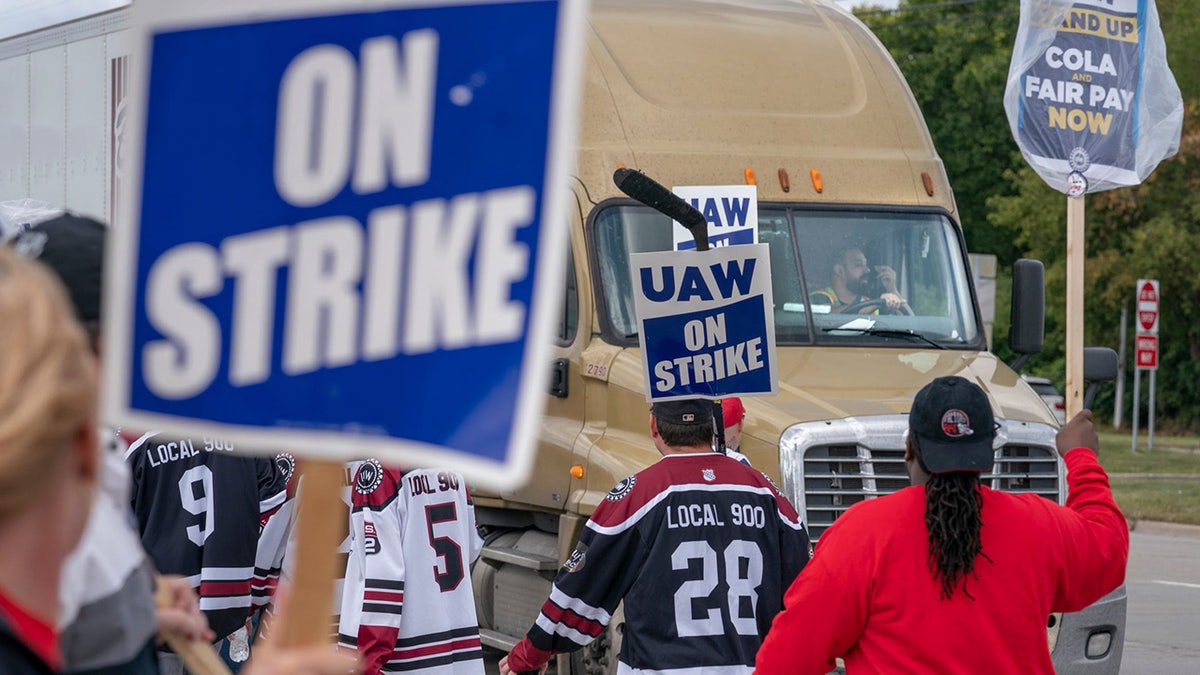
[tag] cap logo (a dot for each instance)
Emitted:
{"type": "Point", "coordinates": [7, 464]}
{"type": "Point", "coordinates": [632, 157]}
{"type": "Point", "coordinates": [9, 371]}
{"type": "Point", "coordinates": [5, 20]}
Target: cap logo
{"type": "Point", "coordinates": [956, 424]}
{"type": "Point", "coordinates": [687, 417]}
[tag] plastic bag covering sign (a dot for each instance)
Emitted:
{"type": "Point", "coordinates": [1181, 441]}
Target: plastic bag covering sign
{"type": "Point", "coordinates": [1090, 93]}
{"type": "Point", "coordinates": [706, 322]}
{"type": "Point", "coordinates": [337, 242]}
{"type": "Point", "coordinates": [731, 212]}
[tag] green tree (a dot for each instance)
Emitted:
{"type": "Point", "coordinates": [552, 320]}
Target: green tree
{"type": "Point", "coordinates": [955, 55]}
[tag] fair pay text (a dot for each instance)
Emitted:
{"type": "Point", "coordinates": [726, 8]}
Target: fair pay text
{"type": "Point", "coordinates": [364, 122]}
{"type": "Point", "coordinates": [1085, 101]}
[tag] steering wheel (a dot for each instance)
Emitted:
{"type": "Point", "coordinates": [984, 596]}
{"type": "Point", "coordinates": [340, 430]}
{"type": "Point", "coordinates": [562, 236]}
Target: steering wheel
{"type": "Point", "coordinates": [879, 303]}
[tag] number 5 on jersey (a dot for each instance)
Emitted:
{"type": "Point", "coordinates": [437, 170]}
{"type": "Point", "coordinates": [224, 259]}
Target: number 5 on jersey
{"type": "Point", "coordinates": [450, 570]}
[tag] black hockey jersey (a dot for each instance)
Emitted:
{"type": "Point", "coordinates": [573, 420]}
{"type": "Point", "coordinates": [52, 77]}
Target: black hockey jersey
{"type": "Point", "coordinates": [700, 547]}
{"type": "Point", "coordinates": [198, 509]}
{"type": "Point", "coordinates": [408, 605]}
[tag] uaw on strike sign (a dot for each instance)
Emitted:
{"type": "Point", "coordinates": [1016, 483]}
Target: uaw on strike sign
{"type": "Point", "coordinates": [706, 323]}
{"type": "Point", "coordinates": [731, 212]}
{"type": "Point", "coordinates": [341, 243]}
{"type": "Point", "coordinates": [1090, 98]}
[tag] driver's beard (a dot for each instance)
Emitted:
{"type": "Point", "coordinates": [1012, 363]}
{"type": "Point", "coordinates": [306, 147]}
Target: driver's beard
{"type": "Point", "coordinates": [860, 286]}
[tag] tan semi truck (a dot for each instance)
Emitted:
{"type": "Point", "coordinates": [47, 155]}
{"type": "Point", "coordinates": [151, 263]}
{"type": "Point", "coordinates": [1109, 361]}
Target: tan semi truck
{"type": "Point", "coordinates": [801, 100]}
{"type": "Point", "coordinates": [794, 96]}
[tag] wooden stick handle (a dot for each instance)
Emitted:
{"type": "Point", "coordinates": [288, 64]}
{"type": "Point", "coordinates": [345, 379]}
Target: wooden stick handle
{"type": "Point", "coordinates": [199, 656]}
{"type": "Point", "coordinates": [1074, 346]}
{"type": "Point", "coordinates": [321, 519]}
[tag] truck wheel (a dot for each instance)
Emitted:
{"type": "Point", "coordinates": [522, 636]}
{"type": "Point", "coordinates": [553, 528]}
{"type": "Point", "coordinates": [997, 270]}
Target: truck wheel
{"type": "Point", "coordinates": [600, 657]}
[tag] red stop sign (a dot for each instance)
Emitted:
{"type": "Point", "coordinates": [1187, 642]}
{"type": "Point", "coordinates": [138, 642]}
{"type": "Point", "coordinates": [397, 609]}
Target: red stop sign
{"type": "Point", "coordinates": [1147, 306]}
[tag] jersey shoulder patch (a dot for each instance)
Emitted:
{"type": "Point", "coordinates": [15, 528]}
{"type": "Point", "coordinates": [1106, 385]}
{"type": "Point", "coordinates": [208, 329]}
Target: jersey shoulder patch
{"type": "Point", "coordinates": [621, 489]}
{"type": "Point", "coordinates": [369, 476]}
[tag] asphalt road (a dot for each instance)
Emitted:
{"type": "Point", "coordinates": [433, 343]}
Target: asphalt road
{"type": "Point", "coordinates": [1163, 581]}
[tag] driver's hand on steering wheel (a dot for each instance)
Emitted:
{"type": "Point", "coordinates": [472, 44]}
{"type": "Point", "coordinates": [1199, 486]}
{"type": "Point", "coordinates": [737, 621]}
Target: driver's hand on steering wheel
{"type": "Point", "coordinates": [893, 300]}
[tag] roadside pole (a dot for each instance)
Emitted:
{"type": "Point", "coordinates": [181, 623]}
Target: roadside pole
{"type": "Point", "coordinates": [1119, 400]}
{"type": "Point", "coordinates": [1150, 414]}
{"type": "Point", "coordinates": [1137, 379]}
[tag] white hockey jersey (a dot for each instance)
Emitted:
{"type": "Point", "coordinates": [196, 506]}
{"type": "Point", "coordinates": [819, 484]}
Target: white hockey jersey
{"type": "Point", "coordinates": [412, 542]}
{"type": "Point", "coordinates": [277, 543]}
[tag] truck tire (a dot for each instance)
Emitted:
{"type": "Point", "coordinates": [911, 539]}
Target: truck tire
{"type": "Point", "coordinates": [600, 657]}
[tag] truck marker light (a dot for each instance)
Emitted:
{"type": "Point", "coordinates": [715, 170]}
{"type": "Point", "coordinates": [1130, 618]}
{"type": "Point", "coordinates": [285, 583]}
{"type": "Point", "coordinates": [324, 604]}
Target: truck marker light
{"type": "Point", "coordinates": [750, 179]}
{"type": "Point", "coordinates": [577, 471]}
{"type": "Point", "coordinates": [784, 181]}
{"type": "Point", "coordinates": [928, 181]}
{"type": "Point", "coordinates": [818, 184]}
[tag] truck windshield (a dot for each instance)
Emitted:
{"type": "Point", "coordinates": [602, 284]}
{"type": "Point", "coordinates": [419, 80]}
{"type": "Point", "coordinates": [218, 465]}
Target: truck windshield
{"type": "Point", "coordinates": [827, 274]}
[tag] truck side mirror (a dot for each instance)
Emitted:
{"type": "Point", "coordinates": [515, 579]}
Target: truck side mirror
{"type": "Point", "coordinates": [1027, 322]}
{"type": "Point", "coordinates": [1099, 365]}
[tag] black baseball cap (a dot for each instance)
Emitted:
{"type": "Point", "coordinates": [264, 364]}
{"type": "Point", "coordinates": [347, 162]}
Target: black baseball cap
{"type": "Point", "coordinates": [953, 422]}
{"type": "Point", "coordinates": [687, 411]}
{"type": "Point", "coordinates": [73, 247]}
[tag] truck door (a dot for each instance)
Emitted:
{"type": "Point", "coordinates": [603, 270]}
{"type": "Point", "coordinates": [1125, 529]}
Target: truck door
{"type": "Point", "coordinates": [550, 479]}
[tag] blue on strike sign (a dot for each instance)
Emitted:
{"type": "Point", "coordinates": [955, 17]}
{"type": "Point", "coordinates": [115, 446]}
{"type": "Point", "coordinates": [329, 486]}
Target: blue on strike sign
{"type": "Point", "coordinates": [338, 244]}
{"type": "Point", "coordinates": [706, 322]}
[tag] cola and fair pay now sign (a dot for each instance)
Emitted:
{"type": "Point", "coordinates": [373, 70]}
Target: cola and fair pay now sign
{"type": "Point", "coordinates": [706, 324]}
{"type": "Point", "coordinates": [341, 241]}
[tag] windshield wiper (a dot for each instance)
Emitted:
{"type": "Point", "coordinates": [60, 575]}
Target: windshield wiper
{"type": "Point", "coordinates": [887, 332]}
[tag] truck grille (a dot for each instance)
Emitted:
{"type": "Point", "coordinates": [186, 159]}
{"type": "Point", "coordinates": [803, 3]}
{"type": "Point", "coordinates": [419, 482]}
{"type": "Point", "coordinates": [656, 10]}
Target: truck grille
{"type": "Point", "coordinates": [868, 461]}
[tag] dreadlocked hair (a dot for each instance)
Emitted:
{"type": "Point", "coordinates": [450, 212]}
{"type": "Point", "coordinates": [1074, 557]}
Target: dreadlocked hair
{"type": "Point", "coordinates": [953, 503]}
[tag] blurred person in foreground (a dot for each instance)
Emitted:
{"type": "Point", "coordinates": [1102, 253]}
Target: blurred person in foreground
{"type": "Point", "coordinates": [108, 616]}
{"type": "Point", "coordinates": [198, 506]}
{"type": "Point", "coordinates": [950, 576]}
{"type": "Point", "coordinates": [50, 471]}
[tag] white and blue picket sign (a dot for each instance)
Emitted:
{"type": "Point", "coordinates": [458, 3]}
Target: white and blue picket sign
{"type": "Point", "coordinates": [341, 241]}
{"type": "Point", "coordinates": [707, 327]}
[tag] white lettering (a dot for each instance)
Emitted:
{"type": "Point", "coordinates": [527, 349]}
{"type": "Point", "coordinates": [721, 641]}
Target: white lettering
{"type": "Point", "coordinates": [748, 515]}
{"type": "Point", "coordinates": [1076, 60]}
{"type": "Point", "coordinates": [381, 288]}
{"type": "Point", "coordinates": [502, 261]}
{"type": "Point", "coordinates": [437, 312]}
{"type": "Point", "coordinates": [741, 357]}
{"type": "Point", "coordinates": [316, 120]}
{"type": "Point", "coordinates": [397, 111]}
{"type": "Point", "coordinates": [254, 259]}
{"type": "Point", "coordinates": [322, 302]}
{"type": "Point", "coordinates": [384, 133]}
{"type": "Point", "coordinates": [185, 362]}
{"type": "Point", "coordinates": [451, 282]}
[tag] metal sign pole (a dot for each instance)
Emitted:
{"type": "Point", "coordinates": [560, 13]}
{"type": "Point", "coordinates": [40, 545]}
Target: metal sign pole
{"type": "Point", "coordinates": [1119, 400]}
{"type": "Point", "coordinates": [1150, 413]}
{"type": "Point", "coordinates": [1137, 379]}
